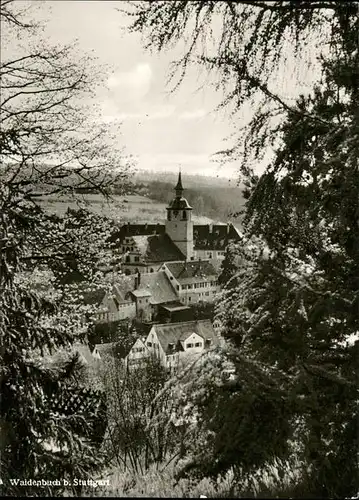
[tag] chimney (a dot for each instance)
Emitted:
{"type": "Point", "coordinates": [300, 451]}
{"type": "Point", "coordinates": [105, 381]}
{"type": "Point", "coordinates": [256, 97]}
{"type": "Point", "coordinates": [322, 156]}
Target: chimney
{"type": "Point", "coordinates": [139, 278]}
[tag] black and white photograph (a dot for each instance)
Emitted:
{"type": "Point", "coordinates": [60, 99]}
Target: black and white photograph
{"type": "Point", "coordinates": [179, 249]}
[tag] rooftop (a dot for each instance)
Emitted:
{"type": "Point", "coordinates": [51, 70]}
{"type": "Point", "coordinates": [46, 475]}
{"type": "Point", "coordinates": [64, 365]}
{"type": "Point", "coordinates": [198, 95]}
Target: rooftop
{"type": "Point", "coordinates": [174, 333]}
{"type": "Point", "coordinates": [159, 286]}
{"type": "Point", "coordinates": [214, 237]}
{"type": "Point", "coordinates": [136, 230]}
{"type": "Point", "coordinates": [160, 248]}
{"type": "Point", "coordinates": [194, 269]}
{"type": "Point", "coordinates": [113, 349]}
{"type": "Point", "coordinates": [175, 307]}
{"type": "Point", "coordinates": [141, 293]}
{"type": "Point", "coordinates": [205, 237]}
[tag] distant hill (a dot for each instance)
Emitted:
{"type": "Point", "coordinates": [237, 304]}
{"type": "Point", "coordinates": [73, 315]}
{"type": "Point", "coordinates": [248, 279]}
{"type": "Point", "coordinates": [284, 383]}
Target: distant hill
{"type": "Point", "coordinates": [189, 180]}
{"type": "Point", "coordinates": [215, 198]}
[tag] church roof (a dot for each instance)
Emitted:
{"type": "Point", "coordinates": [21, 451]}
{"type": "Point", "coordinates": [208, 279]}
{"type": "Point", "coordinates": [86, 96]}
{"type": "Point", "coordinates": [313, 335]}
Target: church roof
{"type": "Point", "coordinates": [136, 230]}
{"type": "Point", "coordinates": [179, 186]}
{"type": "Point", "coordinates": [205, 237]}
{"type": "Point", "coordinates": [191, 271]}
{"type": "Point", "coordinates": [160, 248]}
{"type": "Point", "coordinates": [214, 237]}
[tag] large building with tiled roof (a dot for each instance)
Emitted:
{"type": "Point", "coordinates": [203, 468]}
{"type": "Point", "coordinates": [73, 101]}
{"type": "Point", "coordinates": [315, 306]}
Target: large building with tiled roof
{"type": "Point", "coordinates": [146, 247]}
{"type": "Point", "coordinates": [195, 281]}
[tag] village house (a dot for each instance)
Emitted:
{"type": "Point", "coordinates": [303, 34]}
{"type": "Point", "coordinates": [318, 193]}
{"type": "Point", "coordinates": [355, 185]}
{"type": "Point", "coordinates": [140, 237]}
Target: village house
{"type": "Point", "coordinates": [111, 303]}
{"type": "Point", "coordinates": [174, 344]}
{"type": "Point", "coordinates": [194, 281]}
{"type": "Point", "coordinates": [152, 293]}
{"type": "Point", "coordinates": [133, 355]}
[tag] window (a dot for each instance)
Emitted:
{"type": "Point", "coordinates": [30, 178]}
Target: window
{"type": "Point", "coordinates": [184, 215]}
{"type": "Point", "coordinates": [149, 344]}
{"type": "Point", "coordinates": [189, 299]}
{"type": "Point", "coordinates": [137, 259]}
{"type": "Point", "coordinates": [208, 342]}
{"type": "Point", "coordinates": [198, 344]}
{"type": "Point", "coordinates": [189, 346]}
{"type": "Point", "coordinates": [128, 259]}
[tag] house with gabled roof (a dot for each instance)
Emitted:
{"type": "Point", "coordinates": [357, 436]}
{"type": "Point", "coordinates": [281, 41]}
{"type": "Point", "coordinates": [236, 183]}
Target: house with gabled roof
{"type": "Point", "coordinates": [174, 344]}
{"type": "Point", "coordinates": [137, 355]}
{"type": "Point", "coordinates": [130, 356]}
{"type": "Point", "coordinates": [153, 291]}
{"type": "Point", "coordinates": [111, 303]}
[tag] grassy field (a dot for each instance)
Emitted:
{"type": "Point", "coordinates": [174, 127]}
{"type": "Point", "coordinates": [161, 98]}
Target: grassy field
{"type": "Point", "coordinates": [131, 208]}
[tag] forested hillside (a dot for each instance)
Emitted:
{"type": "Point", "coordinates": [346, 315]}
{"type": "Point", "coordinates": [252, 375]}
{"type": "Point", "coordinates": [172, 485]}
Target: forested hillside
{"type": "Point", "coordinates": [219, 203]}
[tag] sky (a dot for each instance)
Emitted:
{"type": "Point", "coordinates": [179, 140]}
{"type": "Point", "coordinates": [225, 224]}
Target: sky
{"type": "Point", "coordinates": [162, 131]}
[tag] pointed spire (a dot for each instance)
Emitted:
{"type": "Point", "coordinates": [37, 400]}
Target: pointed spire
{"type": "Point", "coordinates": [179, 188]}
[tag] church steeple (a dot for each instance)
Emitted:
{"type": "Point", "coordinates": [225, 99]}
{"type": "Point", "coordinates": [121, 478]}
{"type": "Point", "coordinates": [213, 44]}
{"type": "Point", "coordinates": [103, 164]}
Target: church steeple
{"type": "Point", "coordinates": [179, 188]}
{"type": "Point", "coordinates": [179, 225]}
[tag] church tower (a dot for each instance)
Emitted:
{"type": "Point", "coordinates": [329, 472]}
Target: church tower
{"type": "Point", "coordinates": [179, 225]}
